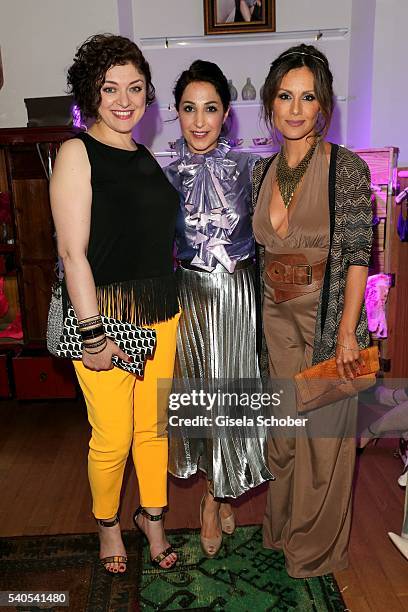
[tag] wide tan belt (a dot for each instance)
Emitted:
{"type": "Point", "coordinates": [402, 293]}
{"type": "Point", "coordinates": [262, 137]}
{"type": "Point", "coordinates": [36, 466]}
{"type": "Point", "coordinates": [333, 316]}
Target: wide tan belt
{"type": "Point", "coordinates": [290, 275]}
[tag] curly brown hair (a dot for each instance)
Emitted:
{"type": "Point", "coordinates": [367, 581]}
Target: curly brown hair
{"type": "Point", "coordinates": [92, 61]}
{"type": "Point", "coordinates": [297, 57]}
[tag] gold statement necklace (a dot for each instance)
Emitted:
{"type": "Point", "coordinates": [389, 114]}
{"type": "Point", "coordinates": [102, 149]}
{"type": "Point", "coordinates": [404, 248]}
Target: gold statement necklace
{"type": "Point", "coordinates": [289, 178]}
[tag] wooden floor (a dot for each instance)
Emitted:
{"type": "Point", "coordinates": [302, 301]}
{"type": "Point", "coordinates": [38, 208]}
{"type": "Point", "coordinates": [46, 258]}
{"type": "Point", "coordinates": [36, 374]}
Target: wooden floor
{"type": "Point", "coordinates": [44, 490]}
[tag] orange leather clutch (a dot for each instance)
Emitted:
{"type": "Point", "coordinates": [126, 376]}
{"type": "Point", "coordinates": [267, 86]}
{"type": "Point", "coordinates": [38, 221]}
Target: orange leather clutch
{"type": "Point", "coordinates": [320, 385]}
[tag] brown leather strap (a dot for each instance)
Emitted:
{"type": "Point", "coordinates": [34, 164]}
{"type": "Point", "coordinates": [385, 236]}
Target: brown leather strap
{"type": "Point", "coordinates": [290, 275]}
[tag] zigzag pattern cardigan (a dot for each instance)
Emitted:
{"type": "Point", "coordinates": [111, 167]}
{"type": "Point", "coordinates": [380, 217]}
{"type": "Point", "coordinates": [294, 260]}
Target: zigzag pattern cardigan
{"type": "Point", "coordinates": [350, 244]}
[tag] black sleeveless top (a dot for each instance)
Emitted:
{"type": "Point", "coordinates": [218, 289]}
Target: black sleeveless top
{"type": "Point", "coordinates": [130, 247]}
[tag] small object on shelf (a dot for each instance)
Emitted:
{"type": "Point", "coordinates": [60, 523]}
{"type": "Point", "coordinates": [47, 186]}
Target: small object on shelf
{"type": "Point", "coordinates": [13, 329]}
{"type": "Point", "coordinates": [248, 91]}
{"type": "Point", "coordinates": [402, 223]}
{"type": "Point", "coordinates": [261, 141]}
{"type": "Point", "coordinates": [172, 145]}
{"type": "Point", "coordinates": [5, 217]}
{"type": "Point", "coordinates": [233, 90]}
{"type": "Point", "coordinates": [235, 142]}
{"type": "Point", "coordinates": [4, 305]}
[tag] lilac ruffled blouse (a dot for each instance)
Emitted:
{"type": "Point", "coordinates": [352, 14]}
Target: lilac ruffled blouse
{"type": "Point", "coordinates": [214, 224]}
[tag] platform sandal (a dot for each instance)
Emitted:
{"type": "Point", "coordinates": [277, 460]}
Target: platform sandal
{"type": "Point", "coordinates": [165, 553]}
{"type": "Point", "coordinates": [114, 558]}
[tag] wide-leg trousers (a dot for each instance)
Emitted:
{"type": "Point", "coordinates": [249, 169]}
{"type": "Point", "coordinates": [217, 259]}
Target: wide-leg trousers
{"type": "Point", "coordinates": [128, 412]}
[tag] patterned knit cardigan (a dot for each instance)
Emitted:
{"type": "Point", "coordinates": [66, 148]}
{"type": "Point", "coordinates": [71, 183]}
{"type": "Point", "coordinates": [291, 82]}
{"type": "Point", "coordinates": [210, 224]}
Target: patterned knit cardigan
{"type": "Point", "coordinates": [350, 244]}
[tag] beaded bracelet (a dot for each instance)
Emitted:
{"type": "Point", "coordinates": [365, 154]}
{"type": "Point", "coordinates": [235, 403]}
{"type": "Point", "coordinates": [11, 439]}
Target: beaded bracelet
{"type": "Point", "coordinates": [95, 344]}
{"type": "Point", "coordinates": [97, 352]}
{"type": "Point", "coordinates": [90, 320]}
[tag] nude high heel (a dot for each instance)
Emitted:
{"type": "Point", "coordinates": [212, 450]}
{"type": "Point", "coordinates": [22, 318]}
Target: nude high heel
{"type": "Point", "coordinates": [210, 546]}
{"type": "Point", "coordinates": [228, 523]}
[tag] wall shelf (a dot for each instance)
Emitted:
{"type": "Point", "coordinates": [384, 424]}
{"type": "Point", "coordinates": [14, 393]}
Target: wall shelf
{"type": "Point", "coordinates": [240, 39]}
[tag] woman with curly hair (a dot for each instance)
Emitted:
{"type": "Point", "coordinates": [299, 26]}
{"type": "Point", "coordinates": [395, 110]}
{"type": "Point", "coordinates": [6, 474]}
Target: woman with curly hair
{"type": "Point", "coordinates": [115, 213]}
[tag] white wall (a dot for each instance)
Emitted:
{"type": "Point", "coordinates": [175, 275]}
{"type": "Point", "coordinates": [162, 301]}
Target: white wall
{"type": "Point", "coordinates": [360, 74]}
{"type": "Point", "coordinates": [239, 59]}
{"type": "Point", "coordinates": [168, 18]}
{"type": "Point", "coordinates": [186, 17]}
{"type": "Point", "coordinates": [38, 40]}
{"type": "Point", "coordinates": [292, 15]}
{"type": "Point", "coordinates": [39, 37]}
{"type": "Point", "coordinates": [389, 120]}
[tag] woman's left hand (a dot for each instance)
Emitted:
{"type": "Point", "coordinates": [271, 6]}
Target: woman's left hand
{"type": "Point", "coordinates": [347, 356]}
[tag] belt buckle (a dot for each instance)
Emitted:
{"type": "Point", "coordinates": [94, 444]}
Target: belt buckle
{"type": "Point", "coordinates": [308, 273]}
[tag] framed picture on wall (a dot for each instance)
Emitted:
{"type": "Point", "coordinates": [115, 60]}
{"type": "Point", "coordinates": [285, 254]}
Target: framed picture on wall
{"type": "Point", "coordinates": [239, 16]}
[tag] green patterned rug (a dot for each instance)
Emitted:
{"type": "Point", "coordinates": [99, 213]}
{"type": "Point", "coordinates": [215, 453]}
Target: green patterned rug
{"type": "Point", "coordinates": [244, 577]}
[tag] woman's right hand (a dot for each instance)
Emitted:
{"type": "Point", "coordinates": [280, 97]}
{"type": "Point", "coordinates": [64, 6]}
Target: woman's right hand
{"type": "Point", "coordinates": [103, 360]}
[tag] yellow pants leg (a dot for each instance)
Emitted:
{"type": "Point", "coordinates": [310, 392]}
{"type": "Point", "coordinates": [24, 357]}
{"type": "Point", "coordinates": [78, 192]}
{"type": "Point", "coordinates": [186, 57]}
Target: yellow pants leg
{"type": "Point", "coordinates": [150, 442]}
{"type": "Point", "coordinates": [109, 400]}
{"type": "Point", "coordinates": [123, 409]}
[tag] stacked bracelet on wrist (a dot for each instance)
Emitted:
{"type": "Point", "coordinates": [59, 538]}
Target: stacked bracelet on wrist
{"type": "Point", "coordinates": [93, 335]}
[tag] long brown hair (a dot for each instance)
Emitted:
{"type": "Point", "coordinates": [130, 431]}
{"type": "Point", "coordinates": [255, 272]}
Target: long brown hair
{"type": "Point", "coordinates": [297, 57]}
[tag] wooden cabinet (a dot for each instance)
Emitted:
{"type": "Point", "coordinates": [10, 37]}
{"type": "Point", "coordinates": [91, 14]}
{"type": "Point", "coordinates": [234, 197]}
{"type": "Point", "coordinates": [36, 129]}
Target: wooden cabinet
{"type": "Point", "coordinates": [28, 246]}
{"type": "Point", "coordinates": [390, 256]}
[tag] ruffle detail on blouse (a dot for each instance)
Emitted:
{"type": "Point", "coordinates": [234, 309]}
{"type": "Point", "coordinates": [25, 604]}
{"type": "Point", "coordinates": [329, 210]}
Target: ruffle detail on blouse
{"type": "Point", "coordinates": [205, 180]}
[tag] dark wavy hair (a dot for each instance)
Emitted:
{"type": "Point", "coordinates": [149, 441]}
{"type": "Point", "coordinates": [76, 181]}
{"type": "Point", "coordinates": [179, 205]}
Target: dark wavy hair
{"type": "Point", "coordinates": [207, 72]}
{"type": "Point", "coordinates": [297, 57]}
{"type": "Point", "coordinates": [92, 61]}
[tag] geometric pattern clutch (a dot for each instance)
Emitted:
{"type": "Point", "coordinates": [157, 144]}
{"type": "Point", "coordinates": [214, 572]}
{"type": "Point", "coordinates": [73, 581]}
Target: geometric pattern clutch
{"type": "Point", "coordinates": [64, 339]}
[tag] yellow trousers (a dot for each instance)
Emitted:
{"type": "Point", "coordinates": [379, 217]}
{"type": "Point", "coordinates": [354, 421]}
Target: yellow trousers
{"type": "Point", "coordinates": [125, 411]}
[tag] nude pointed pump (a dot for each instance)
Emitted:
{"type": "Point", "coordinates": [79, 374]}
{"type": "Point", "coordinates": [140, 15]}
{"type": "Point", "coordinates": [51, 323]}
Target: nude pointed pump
{"type": "Point", "coordinates": [228, 523]}
{"type": "Point", "coordinates": [210, 546]}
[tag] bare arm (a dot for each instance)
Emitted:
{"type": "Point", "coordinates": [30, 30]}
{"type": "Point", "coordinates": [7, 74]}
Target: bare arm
{"type": "Point", "coordinates": [347, 350]}
{"type": "Point", "coordinates": [71, 198]}
{"type": "Point", "coordinates": [245, 11]}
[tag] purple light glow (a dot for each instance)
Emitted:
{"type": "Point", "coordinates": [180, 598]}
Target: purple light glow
{"type": "Point", "coordinates": [76, 117]}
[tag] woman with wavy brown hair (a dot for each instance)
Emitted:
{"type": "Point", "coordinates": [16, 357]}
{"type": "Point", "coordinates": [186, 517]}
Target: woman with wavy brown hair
{"type": "Point", "coordinates": [313, 219]}
{"type": "Point", "coordinates": [114, 213]}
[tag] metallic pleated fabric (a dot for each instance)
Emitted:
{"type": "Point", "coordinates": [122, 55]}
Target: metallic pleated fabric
{"type": "Point", "coordinates": [217, 340]}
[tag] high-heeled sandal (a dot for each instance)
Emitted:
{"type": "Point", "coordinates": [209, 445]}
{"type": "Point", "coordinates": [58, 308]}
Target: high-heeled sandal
{"type": "Point", "coordinates": [368, 436]}
{"type": "Point", "coordinates": [228, 523]}
{"type": "Point", "coordinates": [119, 559]}
{"type": "Point", "coordinates": [165, 553]}
{"type": "Point", "coordinates": [210, 546]}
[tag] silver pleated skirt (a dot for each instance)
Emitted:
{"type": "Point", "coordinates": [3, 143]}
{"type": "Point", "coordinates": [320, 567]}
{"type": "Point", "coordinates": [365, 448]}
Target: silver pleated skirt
{"type": "Point", "coordinates": [217, 340]}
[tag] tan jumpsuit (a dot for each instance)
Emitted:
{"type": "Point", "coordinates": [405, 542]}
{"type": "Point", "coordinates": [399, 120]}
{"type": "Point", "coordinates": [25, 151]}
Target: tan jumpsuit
{"type": "Point", "coordinates": [308, 511]}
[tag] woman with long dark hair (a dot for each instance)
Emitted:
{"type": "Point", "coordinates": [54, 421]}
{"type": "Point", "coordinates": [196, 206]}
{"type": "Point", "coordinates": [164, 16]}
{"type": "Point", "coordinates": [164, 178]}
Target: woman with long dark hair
{"type": "Point", "coordinates": [313, 218]}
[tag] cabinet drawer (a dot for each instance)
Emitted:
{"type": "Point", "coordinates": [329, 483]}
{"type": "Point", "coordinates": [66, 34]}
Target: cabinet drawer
{"type": "Point", "coordinates": [43, 377]}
